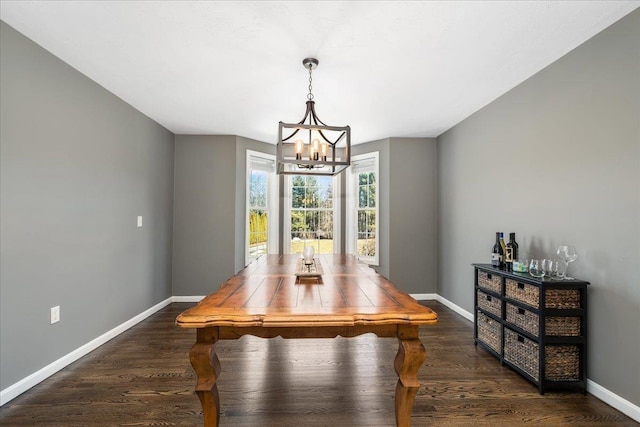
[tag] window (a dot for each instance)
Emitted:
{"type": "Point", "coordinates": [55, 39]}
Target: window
{"type": "Point", "coordinates": [262, 206]}
{"type": "Point", "coordinates": [362, 210]}
{"type": "Point", "coordinates": [312, 217]}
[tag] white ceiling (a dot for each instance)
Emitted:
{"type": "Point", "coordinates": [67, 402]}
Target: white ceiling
{"type": "Point", "coordinates": [387, 69]}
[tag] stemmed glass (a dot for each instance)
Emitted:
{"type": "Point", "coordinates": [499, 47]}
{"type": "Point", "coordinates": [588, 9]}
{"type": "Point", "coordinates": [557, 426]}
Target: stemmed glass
{"type": "Point", "coordinates": [568, 254]}
{"type": "Point", "coordinates": [536, 269]}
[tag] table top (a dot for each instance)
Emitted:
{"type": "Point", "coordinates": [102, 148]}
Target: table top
{"type": "Point", "coordinates": [267, 293]}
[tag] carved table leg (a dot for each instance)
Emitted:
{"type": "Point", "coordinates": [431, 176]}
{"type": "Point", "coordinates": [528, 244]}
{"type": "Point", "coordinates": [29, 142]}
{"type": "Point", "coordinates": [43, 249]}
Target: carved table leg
{"type": "Point", "coordinates": [207, 366]}
{"type": "Point", "coordinates": [411, 355]}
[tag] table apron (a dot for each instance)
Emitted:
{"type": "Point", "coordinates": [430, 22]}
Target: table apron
{"type": "Point", "coordinates": [382, 331]}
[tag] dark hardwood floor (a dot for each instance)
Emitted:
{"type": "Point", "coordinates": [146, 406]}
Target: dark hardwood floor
{"type": "Point", "coordinates": [143, 378]}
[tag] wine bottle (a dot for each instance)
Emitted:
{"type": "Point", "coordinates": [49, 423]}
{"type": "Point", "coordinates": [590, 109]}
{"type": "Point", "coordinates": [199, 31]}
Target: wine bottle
{"type": "Point", "coordinates": [504, 252]}
{"type": "Point", "coordinates": [512, 251]}
{"type": "Point", "coordinates": [497, 253]}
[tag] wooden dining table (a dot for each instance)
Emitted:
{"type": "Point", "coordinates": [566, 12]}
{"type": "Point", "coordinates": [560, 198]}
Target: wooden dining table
{"type": "Point", "coordinates": [268, 299]}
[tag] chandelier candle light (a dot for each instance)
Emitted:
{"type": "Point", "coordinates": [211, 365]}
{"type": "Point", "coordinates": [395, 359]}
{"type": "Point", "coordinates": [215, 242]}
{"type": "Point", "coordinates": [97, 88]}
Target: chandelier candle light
{"type": "Point", "coordinates": [317, 149]}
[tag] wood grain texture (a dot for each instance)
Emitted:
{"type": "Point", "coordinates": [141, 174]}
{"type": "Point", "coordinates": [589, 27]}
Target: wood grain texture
{"type": "Point", "coordinates": [143, 378]}
{"type": "Point", "coordinates": [206, 364]}
{"type": "Point", "coordinates": [267, 294]}
{"type": "Point", "coordinates": [350, 300]}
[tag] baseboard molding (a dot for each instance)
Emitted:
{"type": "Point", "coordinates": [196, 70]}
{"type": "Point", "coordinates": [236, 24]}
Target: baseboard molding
{"type": "Point", "coordinates": [11, 392]}
{"type": "Point", "coordinates": [423, 297]}
{"type": "Point", "coordinates": [187, 298]}
{"type": "Point", "coordinates": [461, 311]}
{"type": "Point", "coordinates": [37, 377]}
{"type": "Point", "coordinates": [613, 400]}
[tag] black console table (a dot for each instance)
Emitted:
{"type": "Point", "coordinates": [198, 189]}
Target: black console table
{"type": "Point", "coordinates": [538, 327]}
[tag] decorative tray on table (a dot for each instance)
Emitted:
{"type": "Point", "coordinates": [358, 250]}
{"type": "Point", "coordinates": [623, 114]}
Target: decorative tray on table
{"type": "Point", "coordinates": [308, 270]}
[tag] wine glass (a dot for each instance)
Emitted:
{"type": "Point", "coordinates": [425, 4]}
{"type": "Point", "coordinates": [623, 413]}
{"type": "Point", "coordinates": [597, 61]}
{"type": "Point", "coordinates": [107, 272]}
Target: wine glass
{"type": "Point", "coordinates": [550, 267]}
{"type": "Point", "coordinates": [536, 269]}
{"type": "Point", "coordinates": [568, 254]}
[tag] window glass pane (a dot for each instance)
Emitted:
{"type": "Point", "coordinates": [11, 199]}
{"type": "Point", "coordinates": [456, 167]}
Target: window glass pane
{"type": "Point", "coordinates": [362, 212]}
{"type": "Point", "coordinates": [258, 189]}
{"type": "Point", "coordinates": [298, 225]}
{"type": "Point", "coordinates": [325, 225]}
{"type": "Point", "coordinates": [261, 200]}
{"type": "Point", "coordinates": [372, 195]}
{"type": "Point", "coordinates": [362, 222]}
{"type": "Point", "coordinates": [325, 197]}
{"type": "Point", "coordinates": [312, 213]}
{"type": "Point", "coordinates": [311, 221]}
{"type": "Point", "coordinates": [323, 181]}
{"type": "Point", "coordinates": [366, 245]}
{"type": "Point", "coordinates": [311, 200]}
{"type": "Point", "coordinates": [371, 221]}
{"type": "Point", "coordinates": [258, 227]}
{"type": "Point", "coordinates": [362, 196]}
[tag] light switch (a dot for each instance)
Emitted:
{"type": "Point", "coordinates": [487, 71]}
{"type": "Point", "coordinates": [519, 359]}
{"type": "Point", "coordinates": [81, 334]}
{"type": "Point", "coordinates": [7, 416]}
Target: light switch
{"type": "Point", "coordinates": [139, 221]}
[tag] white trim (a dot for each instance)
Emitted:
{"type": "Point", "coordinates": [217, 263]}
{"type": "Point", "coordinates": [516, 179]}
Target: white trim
{"type": "Point", "coordinates": [272, 205]}
{"type": "Point", "coordinates": [187, 298]}
{"type": "Point", "coordinates": [424, 297]}
{"type": "Point", "coordinates": [337, 196]}
{"type": "Point", "coordinates": [613, 400]}
{"type": "Point", "coordinates": [37, 377]}
{"type": "Point", "coordinates": [286, 223]}
{"type": "Point", "coordinates": [352, 198]}
{"type": "Point", "coordinates": [11, 392]}
{"type": "Point", "coordinates": [286, 228]}
{"type": "Point", "coordinates": [461, 311]}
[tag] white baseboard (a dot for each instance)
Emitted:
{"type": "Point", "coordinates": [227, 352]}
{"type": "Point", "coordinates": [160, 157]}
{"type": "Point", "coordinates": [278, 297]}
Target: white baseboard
{"type": "Point", "coordinates": [9, 393]}
{"type": "Point", "coordinates": [187, 298]}
{"type": "Point", "coordinates": [461, 311]}
{"type": "Point", "coordinates": [613, 400]}
{"type": "Point", "coordinates": [37, 377]}
{"type": "Point", "coordinates": [423, 297]}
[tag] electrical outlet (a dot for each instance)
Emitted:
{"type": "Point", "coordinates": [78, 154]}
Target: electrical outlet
{"type": "Point", "coordinates": [55, 314]}
{"type": "Point", "coordinates": [140, 221]}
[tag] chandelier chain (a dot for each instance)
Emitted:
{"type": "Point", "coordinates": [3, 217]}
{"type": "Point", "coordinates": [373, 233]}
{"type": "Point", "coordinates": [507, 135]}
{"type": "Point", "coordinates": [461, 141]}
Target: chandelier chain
{"type": "Point", "coordinates": [310, 95]}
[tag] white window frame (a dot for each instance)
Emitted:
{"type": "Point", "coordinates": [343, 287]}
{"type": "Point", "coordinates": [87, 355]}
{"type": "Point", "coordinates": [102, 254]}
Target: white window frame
{"type": "Point", "coordinates": [337, 237]}
{"type": "Point", "coordinates": [351, 223]}
{"type": "Point", "coordinates": [272, 205]}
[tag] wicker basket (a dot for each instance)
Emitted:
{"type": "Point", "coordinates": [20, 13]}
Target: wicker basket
{"type": "Point", "coordinates": [562, 363]}
{"type": "Point", "coordinates": [523, 292]}
{"type": "Point", "coordinates": [490, 332]}
{"type": "Point", "coordinates": [489, 281]}
{"type": "Point", "coordinates": [524, 319]}
{"type": "Point", "coordinates": [562, 298]}
{"type": "Point", "coordinates": [490, 303]}
{"type": "Point", "coordinates": [562, 326]}
{"type": "Point", "coordinates": [522, 352]}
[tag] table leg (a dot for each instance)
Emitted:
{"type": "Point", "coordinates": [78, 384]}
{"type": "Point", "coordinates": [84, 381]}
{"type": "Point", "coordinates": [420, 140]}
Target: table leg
{"type": "Point", "coordinates": [207, 366]}
{"type": "Point", "coordinates": [411, 355]}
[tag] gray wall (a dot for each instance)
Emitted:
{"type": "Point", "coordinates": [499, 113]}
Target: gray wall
{"type": "Point", "coordinates": [209, 212]}
{"type": "Point", "coordinates": [407, 193]}
{"type": "Point", "coordinates": [204, 213]}
{"type": "Point", "coordinates": [557, 160]}
{"type": "Point", "coordinates": [77, 167]}
{"type": "Point", "coordinates": [413, 245]}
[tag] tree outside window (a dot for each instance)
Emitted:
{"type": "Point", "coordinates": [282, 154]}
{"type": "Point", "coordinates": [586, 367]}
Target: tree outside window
{"type": "Point", "coordinates": [312, 219]}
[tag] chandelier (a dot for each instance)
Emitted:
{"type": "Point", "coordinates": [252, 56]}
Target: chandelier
{"type": "Point", "coordinates": [311, 147]}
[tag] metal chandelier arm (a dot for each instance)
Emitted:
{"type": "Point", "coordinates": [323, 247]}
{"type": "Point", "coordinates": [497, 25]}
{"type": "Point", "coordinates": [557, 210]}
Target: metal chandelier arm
{"type": "Point", "coordinates": [326, 157]}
